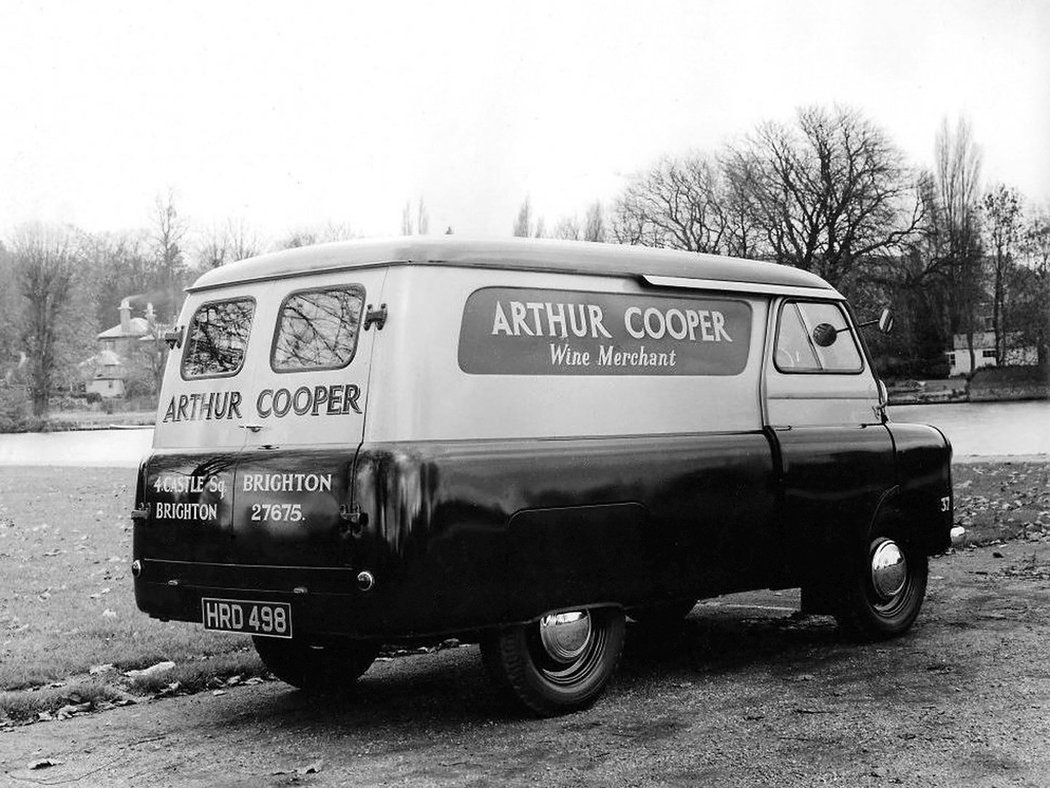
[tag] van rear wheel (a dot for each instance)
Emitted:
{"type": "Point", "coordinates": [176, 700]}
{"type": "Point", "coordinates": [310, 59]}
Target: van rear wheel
{"type": "Point", "coordinates": [316, 669]}
{"type": "Point", "coordinates": [558, 664]}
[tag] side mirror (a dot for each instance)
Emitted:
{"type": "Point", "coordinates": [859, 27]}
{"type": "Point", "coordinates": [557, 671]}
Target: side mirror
{"type": "Point", "coordinates": [886, 321]}
{"type": "Point", "coordinates": [825, 334]}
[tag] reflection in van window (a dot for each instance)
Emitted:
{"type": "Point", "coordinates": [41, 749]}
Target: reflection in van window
{"type": "Point", "coordinates": [796, 350]}
{"type": "Point", "coordinates": [217, 338]}
{"type": "Point", "coordinates": [317, 329]}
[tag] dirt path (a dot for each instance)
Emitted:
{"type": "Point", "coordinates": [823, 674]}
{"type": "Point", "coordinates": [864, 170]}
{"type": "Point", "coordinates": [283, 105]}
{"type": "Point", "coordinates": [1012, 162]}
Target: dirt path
{"type": "Point", "coordinates": [740, 695]}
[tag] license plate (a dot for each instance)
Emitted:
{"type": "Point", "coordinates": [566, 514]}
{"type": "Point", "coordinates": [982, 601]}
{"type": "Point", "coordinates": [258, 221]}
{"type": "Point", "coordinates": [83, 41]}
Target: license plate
{"type": "Point", "coordinates": [268, 619]}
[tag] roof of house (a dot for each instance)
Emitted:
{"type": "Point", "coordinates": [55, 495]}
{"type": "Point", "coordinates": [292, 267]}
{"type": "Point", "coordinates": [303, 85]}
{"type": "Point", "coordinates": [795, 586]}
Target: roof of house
{"type": "Point", "coordinates": [137, 327]}
{"type": "Point", "coordinates": [518, 253]}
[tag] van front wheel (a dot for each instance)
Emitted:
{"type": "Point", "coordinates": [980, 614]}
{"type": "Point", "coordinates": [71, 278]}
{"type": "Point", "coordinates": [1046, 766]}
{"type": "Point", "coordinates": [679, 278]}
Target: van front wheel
{"type": "Point", "coordinates": [316, 669]}
{"type": "Point", "coordinates": [558, 664]}
{"type": "Point", "coordinates": [883, 599]}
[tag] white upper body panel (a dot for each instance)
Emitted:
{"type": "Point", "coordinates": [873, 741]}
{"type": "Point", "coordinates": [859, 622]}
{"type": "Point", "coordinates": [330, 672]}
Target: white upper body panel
{"type": "Point", "coordinates": [489, 340]}
{"type": "Point", "coordinates": [420, 390]}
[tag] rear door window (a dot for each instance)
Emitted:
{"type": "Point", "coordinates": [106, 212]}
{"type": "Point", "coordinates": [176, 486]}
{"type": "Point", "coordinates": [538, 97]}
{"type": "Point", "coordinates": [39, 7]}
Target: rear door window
{"type": "Point", "coordinates": [317, 329]}
{"type": "Point", "coordinates": [218, 338]}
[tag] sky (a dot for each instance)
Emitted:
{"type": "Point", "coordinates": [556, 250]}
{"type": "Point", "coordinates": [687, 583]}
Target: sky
{"type": "Point", "coordinates": [287, 115]}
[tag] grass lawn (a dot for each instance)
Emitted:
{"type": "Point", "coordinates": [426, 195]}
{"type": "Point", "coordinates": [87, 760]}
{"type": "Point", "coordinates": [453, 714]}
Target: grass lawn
{"type": "Point", "coordinates": [66, 598]}
{"type": "Point", "coordinates": [93, 419]}
{"type": "Point", "coordinates": [66, 601]}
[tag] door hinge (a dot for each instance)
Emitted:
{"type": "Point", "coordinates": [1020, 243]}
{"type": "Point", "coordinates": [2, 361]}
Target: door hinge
{"type": "Point", "coordinates": [377, 316]}
{"type": "Point", "coordinates": [173, 337]}
{"type": "Point", "coordinates": [140, 512]}
{"type": "Point", "coordinates": [880, 413]}
{"type": "Point", "coordinates": [354, 516]}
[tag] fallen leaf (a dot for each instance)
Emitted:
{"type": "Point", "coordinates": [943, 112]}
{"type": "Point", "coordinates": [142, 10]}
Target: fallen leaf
{"type": "Point", "coordinates": [151, 671]}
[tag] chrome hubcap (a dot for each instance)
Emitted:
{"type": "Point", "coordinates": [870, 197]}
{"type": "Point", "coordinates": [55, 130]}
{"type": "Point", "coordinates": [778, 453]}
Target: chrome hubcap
{"type": "Point", "coordinates": [565, 636]}
{"type": "Point", "coordinates": [889, 570]}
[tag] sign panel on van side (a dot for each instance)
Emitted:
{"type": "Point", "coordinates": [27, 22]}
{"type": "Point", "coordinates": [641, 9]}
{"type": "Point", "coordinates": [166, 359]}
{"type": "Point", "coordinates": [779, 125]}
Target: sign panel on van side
{"type": "Point", "coordinates": [560, 332]}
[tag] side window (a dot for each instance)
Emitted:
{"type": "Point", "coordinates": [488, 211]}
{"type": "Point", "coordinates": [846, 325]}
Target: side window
{"type": "Point", "coordinates": [815, 337]}
{"type": "Point", "coordinates": [317, 329]}
{"type": "Point", "coordinates": [217, 339]}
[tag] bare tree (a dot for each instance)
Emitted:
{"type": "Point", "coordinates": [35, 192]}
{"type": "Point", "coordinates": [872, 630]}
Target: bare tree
{"type": "Point", "coordinates": [169, 230]}
{"type": "Point", "coordinates": [594, 223]}
{"type": "Point", "coordinates": [743, 236]}
{"type": "Point", "coordinates": [213, 248]}
{"type": "Point", "coordinates": [957, 175]}
{"type": "Point", "coordinates": [307, 236]}
{"type": "Point", "coordinates": [422, 218]}
{"type": "Point", "coordinates": [406, 219]}
{"type": "Point", "coordinates": [120, 265]}
{"type": "Point", "coordinates": [568, 229]}
{"type": "Point", "coordinates": [242, 241]}
{"type": "Point", "coordinates": [523, 224]}
{"type": "Point", "coordinates": [830, 193]}
{"type": "Point", "coordinates": [45, 260]}
{"type": "Point", "coordinates": [675, 204]}
{"type": "Point", "coordinates": [1003, 226]}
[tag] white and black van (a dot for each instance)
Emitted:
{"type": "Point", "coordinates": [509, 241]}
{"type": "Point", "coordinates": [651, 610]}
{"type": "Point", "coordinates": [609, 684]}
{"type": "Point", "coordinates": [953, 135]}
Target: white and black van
{"type": "Point", "coordinates": [521, 443]}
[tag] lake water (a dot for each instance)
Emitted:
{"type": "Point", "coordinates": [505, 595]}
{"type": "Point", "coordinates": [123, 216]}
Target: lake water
{"type": "Point", "coordinates": [114, 448]}
{"type": "Point", "coordinates": [986, 428]}
{"type": "Point", "coordinates": [992, 429]}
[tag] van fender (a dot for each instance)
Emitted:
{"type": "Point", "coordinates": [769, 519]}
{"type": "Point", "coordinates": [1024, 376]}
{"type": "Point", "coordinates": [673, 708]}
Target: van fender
{"type": "Point", "coordinates": [570, 557]}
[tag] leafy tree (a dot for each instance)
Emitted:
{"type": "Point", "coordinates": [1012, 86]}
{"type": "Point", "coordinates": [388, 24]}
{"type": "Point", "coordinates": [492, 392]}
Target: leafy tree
{"type": "Point", "coordinates": [1003, 227]}
{"type": "Point", "coordinates": [1033, 308]}
{"type": "Point", "coordinates": [10, 346]}
{"type": "Point", "coordinates": [56, 324]}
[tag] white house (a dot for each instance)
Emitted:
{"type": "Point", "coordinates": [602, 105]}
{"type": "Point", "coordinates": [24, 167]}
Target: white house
{"type": "Point", "coordinates": [984, 353]}
{"type": "Point", "coordinates": [108, 368]}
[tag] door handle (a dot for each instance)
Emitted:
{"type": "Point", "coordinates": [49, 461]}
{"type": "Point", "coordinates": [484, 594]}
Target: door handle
{"type": "Point", "coordinates": [250, 427]}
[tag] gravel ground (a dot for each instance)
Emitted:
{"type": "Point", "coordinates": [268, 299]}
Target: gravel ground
{"type": "Point", "coordinates": [741, 694]}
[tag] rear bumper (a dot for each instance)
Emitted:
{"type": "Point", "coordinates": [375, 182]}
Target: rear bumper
{"type": "Point", "coordinates": [325, 602]}
{"type": "Point", "coordinates": [314, 615]}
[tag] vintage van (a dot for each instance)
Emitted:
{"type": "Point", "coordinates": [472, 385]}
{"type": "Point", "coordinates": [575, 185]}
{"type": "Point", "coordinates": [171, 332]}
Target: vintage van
{"type": "Point", "coordinates": [522, 443]}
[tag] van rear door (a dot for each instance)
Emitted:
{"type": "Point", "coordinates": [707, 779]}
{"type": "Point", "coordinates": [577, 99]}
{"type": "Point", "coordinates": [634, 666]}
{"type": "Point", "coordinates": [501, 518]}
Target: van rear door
{"type": "Point", "coordinates": [310, 386]}
{"type": "Point", "coordinates": [188, 479]}
{"type": "Point", "coordinates": [261, 418]}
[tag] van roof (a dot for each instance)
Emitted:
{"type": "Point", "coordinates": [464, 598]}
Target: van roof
{"type": "Point", "coordinates": [657, 266]}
